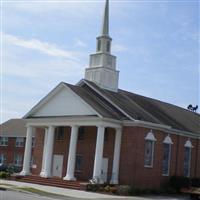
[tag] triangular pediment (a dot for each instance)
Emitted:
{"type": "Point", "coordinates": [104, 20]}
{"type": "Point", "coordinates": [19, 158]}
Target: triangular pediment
{"type": "Point", "coordinates": [62, 101]}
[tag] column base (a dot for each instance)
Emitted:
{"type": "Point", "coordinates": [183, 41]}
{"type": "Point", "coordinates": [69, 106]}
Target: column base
{"type": "Point", "coordinates": [114, 182]}
{"type": "Point", "coordinates": [69, 178]}
{"type": "Point", "coordinates": [24, 173]}
{"type": "Point", "coordinates": [97, 180]}
{"type": "Point", "coordinates": [44, 175]}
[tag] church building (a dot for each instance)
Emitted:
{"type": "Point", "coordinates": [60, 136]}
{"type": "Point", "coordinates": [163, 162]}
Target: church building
{"type": "Point", "coordinates": [96, 131]}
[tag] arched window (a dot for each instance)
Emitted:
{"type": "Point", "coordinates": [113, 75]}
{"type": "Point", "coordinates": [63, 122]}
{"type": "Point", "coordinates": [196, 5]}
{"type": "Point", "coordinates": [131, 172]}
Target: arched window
{"type": "Point", "coordinates": [108, 46]}
{"type": "Point", "coordinates": [99, 45]}
{"type": "Point", "coordinates": [166, 155]}
{"type": "Point", "coordinates": [149, 149]}
{"type": "Point", "coordinates": [187, 158]}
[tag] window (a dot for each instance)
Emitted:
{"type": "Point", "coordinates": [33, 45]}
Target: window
{"type": "Point", "coordinates": [166, 159]}
{"type": "Point", "coordinates": [33, 142]}
{"type": "Point", "coordinates": [3, 141]}
{"type": "Point", "coordinates": [81, 133]}
{"type": "Point", "coordinates": [79, 163]}
{"type": "Point", "coordinates": [99, 45]}
{"type": "Point", "coordinates": [32, 161]}
{"type": "Point", "coordinates": [2, 158]}
{"type": "Point", "coordinates": [19, 142]}
{"type": "Point", "coordinates": [17, 159]}
{"type": "Point", "coordinates": [60, 131]}
{"type": "Point", "coordinates": [187, 158]}
{"type": "Point", "coordinates": [166, 155]}
{"type": "Point", "coordinates": [149, 149]}
{"type": "Point", "coordinates": [106, 134]}
{"type": "Point", "coordinates": [108, 46]}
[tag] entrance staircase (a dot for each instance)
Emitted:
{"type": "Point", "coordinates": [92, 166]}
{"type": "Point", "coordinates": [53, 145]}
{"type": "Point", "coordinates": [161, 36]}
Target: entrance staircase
{"type": "Point", "coordinates": [55, 182]}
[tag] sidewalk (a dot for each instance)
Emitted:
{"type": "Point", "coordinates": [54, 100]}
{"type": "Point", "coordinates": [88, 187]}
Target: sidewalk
{"type": "Point", "coordinates": [66, 192]}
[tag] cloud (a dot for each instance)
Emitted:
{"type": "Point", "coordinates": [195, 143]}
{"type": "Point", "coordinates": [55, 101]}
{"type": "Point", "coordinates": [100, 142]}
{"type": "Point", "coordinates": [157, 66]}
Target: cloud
{"type": "Point", "coordinates": [43, 47]}
{"type": "Point", "coordinates": [119, 48]}
{"type": "Point", "coordinates": [80, 43]}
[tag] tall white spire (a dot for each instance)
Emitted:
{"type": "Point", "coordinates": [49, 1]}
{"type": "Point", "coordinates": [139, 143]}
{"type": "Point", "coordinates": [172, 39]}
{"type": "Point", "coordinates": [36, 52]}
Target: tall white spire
{"type": "Point", "coordinates": [102, 68]}
{"type": "Point", "coordinates": [105, 25]}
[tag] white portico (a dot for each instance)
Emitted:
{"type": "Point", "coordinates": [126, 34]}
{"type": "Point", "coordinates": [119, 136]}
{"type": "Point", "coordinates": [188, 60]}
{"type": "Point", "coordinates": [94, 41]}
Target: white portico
{"type": "Point", "coordinates": [63, 107]}
{"type": "Point", "coordinates": [51, 124]}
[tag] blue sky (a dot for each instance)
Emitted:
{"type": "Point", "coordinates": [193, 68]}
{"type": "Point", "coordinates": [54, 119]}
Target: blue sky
{"type": "Point", "coordinates": [46, 42]}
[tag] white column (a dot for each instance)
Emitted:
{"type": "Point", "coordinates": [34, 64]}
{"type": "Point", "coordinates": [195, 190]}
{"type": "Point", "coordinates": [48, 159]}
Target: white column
{"type": "Point", "coordinates": [116, 159]}
{"type": "Point", "coordinates": [49, 152]}
{"type": "Point", "coordinates": [99, 154]}
{"type": "Point", "coordinates": [72, 154]}
{"type": "Point", "coordinates": [44, 152]}
{"type": "Point", "coordinates": [27, 154]}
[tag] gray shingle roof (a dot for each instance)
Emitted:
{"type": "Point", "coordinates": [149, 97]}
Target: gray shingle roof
{"type": "Point", "coordinates": [13, 128]}
{"type": "Point", "coordinates": [146, 109]}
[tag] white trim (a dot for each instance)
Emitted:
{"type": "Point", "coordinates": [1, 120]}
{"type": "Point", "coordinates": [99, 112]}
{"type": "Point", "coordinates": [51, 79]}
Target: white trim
{"type": "Point", "coordinates": [167, 129]}
{"type": "Point", "coordinates": [190, 157]}
{"type": "Point", "coordinates": [88, 105]}
{"type": "Point", "coordinates": [52, 93]}
{"type": "Point", "coordinates": [188, 144]}
{"type": "Point", "coordinates": [152, 161]}
{"type": "Point", "coordinates": [168, 140]}
{"type": "Point", "coordinates": [106, 98]}
{"type": "Point", "coordinates": [71, 121]}
{"type": "Point", "coordinates": [169, 160]}
{"type": "Point", "coordinates": [150, 137]}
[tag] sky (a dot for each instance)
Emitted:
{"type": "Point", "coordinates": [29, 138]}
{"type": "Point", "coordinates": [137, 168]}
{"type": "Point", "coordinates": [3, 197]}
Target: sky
{"type": "Point", "coordinates": [46, 42]}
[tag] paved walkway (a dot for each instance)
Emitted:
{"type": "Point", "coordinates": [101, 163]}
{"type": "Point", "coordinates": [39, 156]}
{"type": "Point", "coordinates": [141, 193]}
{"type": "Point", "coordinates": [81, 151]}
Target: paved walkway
{"type": "Point", "coordinates": [66, 192]}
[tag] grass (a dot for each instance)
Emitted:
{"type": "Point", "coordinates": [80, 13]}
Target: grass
{"type": "Point", "coordinates": [5, 184]}
{"type": "Point", "coordinates": [39, 192]}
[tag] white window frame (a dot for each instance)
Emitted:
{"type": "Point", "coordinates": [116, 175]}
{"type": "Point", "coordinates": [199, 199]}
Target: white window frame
{"type": "Point", "coordinates": [19, 142]}
{"type": "Point", "coordinates": [18, 158]}
{"type": "Point", "coordinates": [33, 142]}
{"type": "Point", "coordinates": [32, 162]}
{"type": "Point", "coordinates": [2, 158]}
{"type": "Point", "coordinates": [151, 138]}
{"type": "Point", "coordinates": [188, 145]}
{"type": "Point", "coordinates": [4, 141]}
{"type": "Point", "coordinates": [169, 142]}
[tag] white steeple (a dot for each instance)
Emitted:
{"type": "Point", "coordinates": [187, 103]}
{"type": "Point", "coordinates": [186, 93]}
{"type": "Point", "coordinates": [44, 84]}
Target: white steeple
{"type": "Point", "coordinates": [102, 68]}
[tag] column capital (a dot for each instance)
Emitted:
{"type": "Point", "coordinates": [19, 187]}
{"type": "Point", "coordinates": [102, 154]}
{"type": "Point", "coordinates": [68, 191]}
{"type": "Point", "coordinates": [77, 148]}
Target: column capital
{"type": "Point", "coordinates": [51, 126]}
{"type": "Point", "coordinates": [118, 128]}
{"type": "Point", "coordinates": [101, 126]}
{"type": "Point", "coordinates": [75, 126]}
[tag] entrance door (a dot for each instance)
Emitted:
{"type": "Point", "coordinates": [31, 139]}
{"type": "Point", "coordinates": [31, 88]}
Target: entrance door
{"type": "Point", "coordinates": [57, 165]}
{"type": "Point", "coordinates": [104, 170]}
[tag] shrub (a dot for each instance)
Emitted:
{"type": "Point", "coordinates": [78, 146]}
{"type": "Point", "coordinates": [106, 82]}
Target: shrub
{"type": "Point", "coordinates": [4, 175]}
{"type": "Point", "coordinates": [195, 182]}
{"type": "Point", "coordinates": [113, 189]}
{"type": "Point", "coordinates": [137, 191]}
{"type": "Point", "coordinates": [123, 190]}
{"type": "Point", "coordinates": [107, 188]}
{"type": "Point", "coordinates": [178, 182]}
{"type": "Point", "coordinates": [93, 187]}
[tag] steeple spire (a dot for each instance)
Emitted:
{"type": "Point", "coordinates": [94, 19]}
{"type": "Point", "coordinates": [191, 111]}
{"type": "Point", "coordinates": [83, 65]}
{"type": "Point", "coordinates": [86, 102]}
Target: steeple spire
{"type": "Point", "coordinates": [105, 25]}
{"type": "Point", "coordinates": [102, 67]}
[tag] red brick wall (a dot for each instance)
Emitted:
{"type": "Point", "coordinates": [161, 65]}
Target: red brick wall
{"type": "Point", "coordinates": [132, 170]}
{"type": "Point", "coordinates": [38, 150]}
{"type": "Point", "coordinates": [10, 150]}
